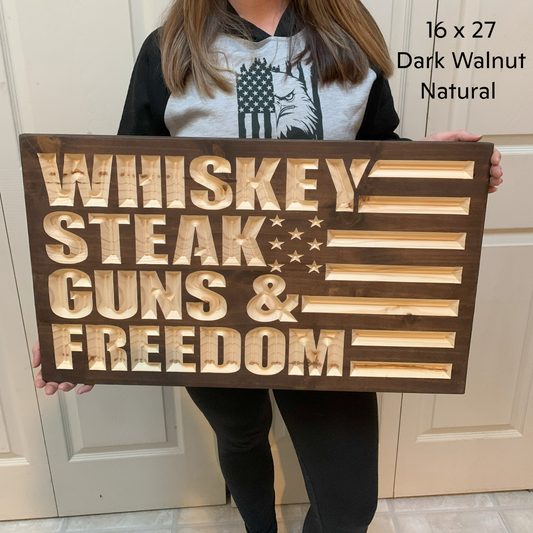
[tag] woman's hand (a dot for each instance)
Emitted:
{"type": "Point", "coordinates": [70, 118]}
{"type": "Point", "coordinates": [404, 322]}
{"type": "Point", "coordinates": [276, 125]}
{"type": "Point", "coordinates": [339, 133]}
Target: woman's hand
{"type": "Point", "coordinates": [496, 172]}
{"type": "Point", "coordinates": [52, 387]}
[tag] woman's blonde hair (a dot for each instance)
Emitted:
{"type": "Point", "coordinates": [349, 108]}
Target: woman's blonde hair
{"type": "Point", "coordinates": [341, 40]}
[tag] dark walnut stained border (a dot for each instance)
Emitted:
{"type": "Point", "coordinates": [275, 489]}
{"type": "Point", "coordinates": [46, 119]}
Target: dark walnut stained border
{"type": "Point", "coordinates": [364, 278]}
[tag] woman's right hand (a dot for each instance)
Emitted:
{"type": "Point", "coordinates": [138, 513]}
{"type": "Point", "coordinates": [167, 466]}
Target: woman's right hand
{"type": "Point", "coordinates": [51, 387]}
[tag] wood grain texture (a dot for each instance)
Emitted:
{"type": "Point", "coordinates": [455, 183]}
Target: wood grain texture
{"type": "Point", "coordinates": [196, 262]}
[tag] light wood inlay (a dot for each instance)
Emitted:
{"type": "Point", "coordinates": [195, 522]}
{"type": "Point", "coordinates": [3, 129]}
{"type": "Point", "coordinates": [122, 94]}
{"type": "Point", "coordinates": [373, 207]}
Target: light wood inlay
{"type": "Point", "coordinates": [250, 184]}
{"type": "Point", "coordinates": [414, 205]}
{"type": "Point", "coordinates": [97, 346]}
{"type": "Point", "coordinates": [357, 169]}
{"type": "Point", "coordinates": [379, 306]}
{"type": "Point", "coordinates": [67, 303]}
{"type": "Point", "coordinates": [394, 273]}
{"type": "Point", "coordinates": [110, 235]}
{"type": "Point", "coordinates": [275, 351]}
{"type": "Point", "coordinates": [297, 184]}
{"type": "Point", "coordinates": [234, 240]}
{"type": "Point", "coordinates": [302, 346]}
{"type": "Point", "coordinates": [412, 339]}
{"type": "Point", "coordinates": [175, 349]}
{"type": "Point", "coordinates": [218, 306]}
{"type": "Point", "coordinates": [209, 350]}
{"type": "Point", "coordinates": [343, 186]}
{"type": "Point", "coordinates": [105, 294]}
{"type": "Point", "coordinates": [94, 192]}
{"type": "Point", "coordinates": [422, 169]}
{"type": "Point", "coordinates": [153, 293]}
{"type": "Point", "coordinates": [77, 247]}
{"type": "Point", "coordinates": [150, 181]}
{"type": "Point", "coordinates": [127, 180]}
{"type": "Point", "coordinates": [175, 182]}
{"type": "Point", "coordinates": [369, 369]}
{"type": "Point", "coordinates": [145, 239]}
{"type": "Point", "coordinates": [206, 251]}
{"type": "Point", "coordinates": [222, 191]}
{"type": "Point", "coordinates": [63, 344]}
{"type": "Point", "coordinates": [396, 239]}
{"type": "Point", "coordinates": [140, 349]}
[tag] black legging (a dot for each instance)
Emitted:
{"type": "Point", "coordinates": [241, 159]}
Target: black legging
{"type": "Point", "coordinates": [335, 435]}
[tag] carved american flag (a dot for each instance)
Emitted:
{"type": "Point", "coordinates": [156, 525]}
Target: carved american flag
{"type": "Point", "coordinates": [256, 263]}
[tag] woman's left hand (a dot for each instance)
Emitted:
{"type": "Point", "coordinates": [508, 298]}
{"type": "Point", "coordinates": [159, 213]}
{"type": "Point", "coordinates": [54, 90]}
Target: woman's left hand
{"type": "Point", "coordinates": [496, 172]}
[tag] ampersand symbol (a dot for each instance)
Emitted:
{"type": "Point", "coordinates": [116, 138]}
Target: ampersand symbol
{"type": "Point", "coordinates": [268, 288]}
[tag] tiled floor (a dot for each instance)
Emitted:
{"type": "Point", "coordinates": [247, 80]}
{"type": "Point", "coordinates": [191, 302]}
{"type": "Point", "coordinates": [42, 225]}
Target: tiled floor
{"type": "Point", "coordinates": [501, 512]}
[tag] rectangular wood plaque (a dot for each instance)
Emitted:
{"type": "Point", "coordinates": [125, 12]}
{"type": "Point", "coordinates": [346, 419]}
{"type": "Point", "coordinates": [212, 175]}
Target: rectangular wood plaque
{"type": "Point", "coordinates": [255, 263]}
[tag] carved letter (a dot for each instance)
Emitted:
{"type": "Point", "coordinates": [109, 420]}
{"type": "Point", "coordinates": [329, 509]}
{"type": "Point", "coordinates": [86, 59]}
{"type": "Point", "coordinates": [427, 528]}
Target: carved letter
{"type": "Point", "coordinates": [153, 293]}
{"type": "Point", "coordinates": [94, 193]}
{"type": "Point", "coordinates": [105, 294]}
{"type": "Point", "coordinates": [206, 249]}
{"type": "Point", "coordinates": [78, 251]}
{"type": "Point", "coordinates": [254, 351]}
{"type": "Point", "coordinates": [145, 240]}
{"type": "Point", "coordinates": [175, 349]}
{"type": "Point", "coordinates": [63, 345]}
{"type": "Point", "coordinates": [341, 180]}
{"type": "Point", "coordinates": [150, 181]}
{"type": "Point", "coordinates": [127, 181]}
{"type": "Point", "coordinates": [175, 182]}
{"type": "Point", "coordinates": [97, 346]}
{"type": "Point", "coordinates": [195, 287]}
{"type": "Point", "coordinates": [139, 348]}
{"type": "Point", "coordinates": [302, 344]}
{"type": "Point", "coordinates": [60, 298]}
{"type": "Point", "coordinates": [110, 235]}
{"type": "Point", "coordinates": [357, 169]}
{"type": "Point", "coordinates": [297, 184]}
{"type": "Point", "coordinates": [268, 288]}
{"type": "Point", "coordinates": [248, 183]}
{"type": "Point", "coordinates": [233, 241]}
{"type": "Point", "coordinates": [209, 356]}
{"type": "Point", "coordinates": [222, 190]}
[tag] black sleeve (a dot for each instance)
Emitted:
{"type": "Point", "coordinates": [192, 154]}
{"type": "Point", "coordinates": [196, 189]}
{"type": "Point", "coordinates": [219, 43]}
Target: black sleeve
{"type": "Point", "coordinates": [380, 119]}
{"type": "Point", "coordinates": [147, 98]}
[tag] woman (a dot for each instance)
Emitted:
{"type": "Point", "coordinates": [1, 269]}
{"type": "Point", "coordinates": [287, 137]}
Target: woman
{"type": "Point", "coordinates": [305, 69]}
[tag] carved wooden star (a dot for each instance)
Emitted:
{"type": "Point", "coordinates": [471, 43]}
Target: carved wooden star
{"type": "Point", "coordinates": [316, 222]}
{"type": "Point", "coordinates": [277, 221]}
{"type": "Point", "coordinates": [296, 234]}
{"type": "Point", "coordinates": [276, 244]}
{"type": "Point", "coordinates": [315, 245]}
{"type": "Point", "coordinates": [275, 266]}
{"type": "Point", "coordinates": [314, 267]}
{"type": "Point", "coordinates": [295, 256]}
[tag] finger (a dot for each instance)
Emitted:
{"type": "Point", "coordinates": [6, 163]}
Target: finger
{"type": "Point", "coordinates": [85, 388]}
{"type": "Point", "coordinates": [36, 354]}
{"type": "Point", "coordinates": [496, 171]}
{"type": "Point", "coordinates": [493, 189]}
{"type": "Point", "coordinates": [496, 181]}
{"type": "Point", "coordinates": [39, 382]}
{"type": "Point", "coordinates": [66, 387]}
{"type": "Point", "coordinates": [466, 136]}
{"type": "Point", "coordinates": [51, 388]}
{"type": "Point", "coordinates": [496, 157]}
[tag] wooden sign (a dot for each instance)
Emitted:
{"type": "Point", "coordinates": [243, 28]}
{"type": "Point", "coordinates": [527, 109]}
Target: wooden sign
{"type": "Point", "coordinates": [255, 263]}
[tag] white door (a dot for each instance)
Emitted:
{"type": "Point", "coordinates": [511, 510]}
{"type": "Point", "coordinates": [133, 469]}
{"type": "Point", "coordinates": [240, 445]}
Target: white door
{"type": "Point", "coordinates": [117, 448]}
{"type": "Point", "coordinates": [26, 489]}
{"type": "Point", "coordinates": [483, 440]}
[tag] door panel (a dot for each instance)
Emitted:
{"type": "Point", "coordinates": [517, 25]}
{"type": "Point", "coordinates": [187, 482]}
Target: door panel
{"type": "Point", "coordinates": [117, 448]}
{"type": "Point", "coordinates": [482, 441]}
